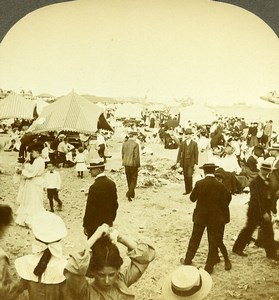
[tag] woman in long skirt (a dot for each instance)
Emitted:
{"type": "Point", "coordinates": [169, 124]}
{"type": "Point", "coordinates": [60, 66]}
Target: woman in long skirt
{"type": "Point", "coordinates": [30, 194]}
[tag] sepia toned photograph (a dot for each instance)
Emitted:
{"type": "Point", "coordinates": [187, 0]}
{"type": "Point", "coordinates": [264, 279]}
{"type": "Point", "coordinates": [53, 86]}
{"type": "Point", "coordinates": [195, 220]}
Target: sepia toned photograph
{"type": "Point", "coordinates": [139, 150]}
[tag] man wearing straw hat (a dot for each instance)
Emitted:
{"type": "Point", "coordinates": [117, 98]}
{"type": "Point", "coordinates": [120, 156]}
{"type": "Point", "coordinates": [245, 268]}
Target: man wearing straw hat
{"type": "Point", "coordinates": [102, 205]}
{"type": "Point", "coordinates": [210, 198]}
{"type": "Point", "coordinates": [258, 214]}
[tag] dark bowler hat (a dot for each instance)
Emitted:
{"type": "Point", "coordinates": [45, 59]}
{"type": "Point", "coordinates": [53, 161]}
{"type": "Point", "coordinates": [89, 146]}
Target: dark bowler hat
{"type": "Point", "coordinates": [132, 133]}
{"type": "Point", "coordinates": [209, 166]}
{"type": "Point", "coordinates": [100, 164]}
{"type": "Point", "coordinates": [188, 131]}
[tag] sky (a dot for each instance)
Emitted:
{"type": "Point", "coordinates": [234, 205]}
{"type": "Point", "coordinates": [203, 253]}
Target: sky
{"type": "Point", "coordinates": [213, 52]}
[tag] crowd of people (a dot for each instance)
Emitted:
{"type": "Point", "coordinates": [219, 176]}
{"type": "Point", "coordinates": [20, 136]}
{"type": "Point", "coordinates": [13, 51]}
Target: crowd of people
{"type": "Point", "coordinates": [239, 158]}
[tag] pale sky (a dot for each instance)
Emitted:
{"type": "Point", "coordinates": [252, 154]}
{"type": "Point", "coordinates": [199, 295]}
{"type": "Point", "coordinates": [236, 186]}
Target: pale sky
{"type": "Point", "coordinates": [162, 49]}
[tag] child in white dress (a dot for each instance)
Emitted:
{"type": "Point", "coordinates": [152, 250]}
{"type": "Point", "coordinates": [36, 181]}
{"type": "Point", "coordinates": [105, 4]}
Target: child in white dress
{"type": "Point", "coordinates": [80, 162]}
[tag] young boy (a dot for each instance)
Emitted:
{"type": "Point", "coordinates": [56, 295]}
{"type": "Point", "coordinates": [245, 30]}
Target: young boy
{"type": "Point", "coordinates": [53, 185]}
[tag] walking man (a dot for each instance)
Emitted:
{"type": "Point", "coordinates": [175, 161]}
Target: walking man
{"type": "Point", "coordinates": [187, 158]}
{"type": "Point", "coordinates": [210, 198]}
{"type": "Point", "coordinates": [131, 162]}
{"type": "Point", "coordinates": [258, 214]}
{"type": "Point", "coordinates": [102, 205]}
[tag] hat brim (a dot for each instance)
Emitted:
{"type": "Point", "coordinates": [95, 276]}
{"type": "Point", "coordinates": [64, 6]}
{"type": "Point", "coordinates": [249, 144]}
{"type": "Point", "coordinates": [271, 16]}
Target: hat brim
{"type": "Point", "coordinates": [95, 167]}
{"type": "Point", "coordinates": [209, 167]}
{"type": "Point", "coordinates": [202, 293]}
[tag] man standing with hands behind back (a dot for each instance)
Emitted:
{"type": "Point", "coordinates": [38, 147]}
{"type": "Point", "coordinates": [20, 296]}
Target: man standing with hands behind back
{"type": "Point", "coordinates": [187, 158]}
{"type": "Point", "coordinates": [102, 205]}
{"type": "Point", "coordinates": [131, 162]}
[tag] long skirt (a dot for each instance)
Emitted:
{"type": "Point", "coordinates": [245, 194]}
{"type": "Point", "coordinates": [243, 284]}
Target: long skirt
{"type": "Point", "coordinates": [30, 196]}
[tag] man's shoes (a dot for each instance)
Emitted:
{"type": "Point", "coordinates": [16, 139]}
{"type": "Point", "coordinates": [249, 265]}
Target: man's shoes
{"type": "Point", "coordinates": [129, 199]}
{"type": "Point", "coordinates": [185, 262]}
{"type": "Point", "coordinates": [240, 253]}
{"type": "Point", "coordinates": [273, 257]}
{"type": "Point", "coordinates": [186, 193]}
{"type": "Point", "coordinates": [209, 269]}
{"type": "Point", "coordinates": [228, 265]}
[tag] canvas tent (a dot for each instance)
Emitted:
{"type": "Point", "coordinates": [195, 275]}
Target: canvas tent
{"type": "Point", "coordinates": [202, 115]}
{"type": "Point", "coordinates": [69, 113]}
{"type": "Point", "coordinates": [16, 106]}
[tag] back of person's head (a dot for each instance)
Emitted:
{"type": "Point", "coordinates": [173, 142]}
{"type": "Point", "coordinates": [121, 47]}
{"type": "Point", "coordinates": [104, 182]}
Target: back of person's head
{"type": "Point", "coordinates": [105, 254]}
{"type": "Point", "coordinates": [258, 151]}
{"type": "Point", "coordinates": [6, 216]}
{"type": "Point", "coordinates": [80, 149]}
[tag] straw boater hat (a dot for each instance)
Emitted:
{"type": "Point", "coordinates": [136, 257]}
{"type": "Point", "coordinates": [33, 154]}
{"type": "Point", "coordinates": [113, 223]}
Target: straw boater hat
{"type": "Point", "coordinates": [274, 147]}
{"type": "Point", "coordinates": [187, 282]}
{"type": "Point", "coordinates": [96, 165]}
{"type": "Point", "coordinates": [267, 164]}
{"type": "Point", "coordinates": [48, 227]}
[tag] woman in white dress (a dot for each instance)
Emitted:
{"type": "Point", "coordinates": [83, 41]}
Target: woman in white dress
{"type": "Point", "coordinates": [30, 194]}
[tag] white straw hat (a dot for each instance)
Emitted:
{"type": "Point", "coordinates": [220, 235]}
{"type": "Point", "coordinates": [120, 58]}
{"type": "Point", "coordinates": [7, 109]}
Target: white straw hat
{"type": "Point", "coordinates": [48, 227]}
{"type": "Point", "coordinates": [187, 282]}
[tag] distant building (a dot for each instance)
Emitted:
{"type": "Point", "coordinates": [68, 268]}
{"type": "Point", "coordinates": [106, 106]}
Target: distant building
{"type": "Point", "coordinates": [27, 94]}
{"type": "Point", "coordinates": [46, 97]}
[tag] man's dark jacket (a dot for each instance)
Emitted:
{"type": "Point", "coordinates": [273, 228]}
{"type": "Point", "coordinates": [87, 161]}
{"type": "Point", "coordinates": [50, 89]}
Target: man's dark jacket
{"type": "Point", "coordinates": [259, 203]}
{"type": "Point", "coordinates": [212, 202]}
{"type": "Point", "coordinates": [194, 154]}
{"type": "Point", "coordinates": [101, 204]}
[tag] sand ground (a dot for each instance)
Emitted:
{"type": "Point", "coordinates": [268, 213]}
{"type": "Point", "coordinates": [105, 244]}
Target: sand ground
{"type": "Point", "coordinates": [160, 215]}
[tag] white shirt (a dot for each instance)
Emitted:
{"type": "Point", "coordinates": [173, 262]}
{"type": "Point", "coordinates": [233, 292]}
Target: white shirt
{"type": "Point", "coordinates": [52, 180]}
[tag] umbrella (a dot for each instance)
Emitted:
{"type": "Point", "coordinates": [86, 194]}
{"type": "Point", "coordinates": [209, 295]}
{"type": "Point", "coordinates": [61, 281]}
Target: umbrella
{"type": "Point", "coordinates": [16, 106]}
{"type": "Point", "coordinates": [69, 113]}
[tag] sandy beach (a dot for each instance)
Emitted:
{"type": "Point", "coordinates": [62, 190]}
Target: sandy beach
{"type": "Point", "coordinates": [160, 215]}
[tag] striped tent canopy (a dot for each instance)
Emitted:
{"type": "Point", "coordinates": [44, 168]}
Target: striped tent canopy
{"type": "Point", "coordinates": [16, 106]}
{"type": "Point", "coordinates": [69, 113]}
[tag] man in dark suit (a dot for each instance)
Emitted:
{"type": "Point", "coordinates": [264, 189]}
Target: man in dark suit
{"type": "Point", "coordinates": [258, 214]}
{"type": "Point", "coordinates": [187, 158]}
{"type": "Point", "coordinates": [252, 161]}
{"type": "Point", "coordinates": [131, 162]}
{"type": "Point", "coordinates": [210, 198]}
{"type": "Point", "coordinates": [102, 205]}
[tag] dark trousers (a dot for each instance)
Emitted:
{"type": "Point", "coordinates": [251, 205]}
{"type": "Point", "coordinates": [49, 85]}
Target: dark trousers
{"type": "Point", "coordinates": [53, 194]}
{"type": "Point", "coordinates": [195, 240]}
{"type": "Point", "coordinates": [61, 157]}
{"type": "Point", "coordinates": [132, 177]}
{"type": "Point", "coordinates": [101, 152]}
{"type": "Point", "coordinates": [220, 242]}
{"type": "Point", "coordinates": [188, 178]}
{"type": "Point", "coordinates": [245, 234]}
{"type": "Point", "coordinates": [52, 157]}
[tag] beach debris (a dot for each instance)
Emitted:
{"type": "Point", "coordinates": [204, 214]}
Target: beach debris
{"type": "Point", "coordinates": [235, 294]}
